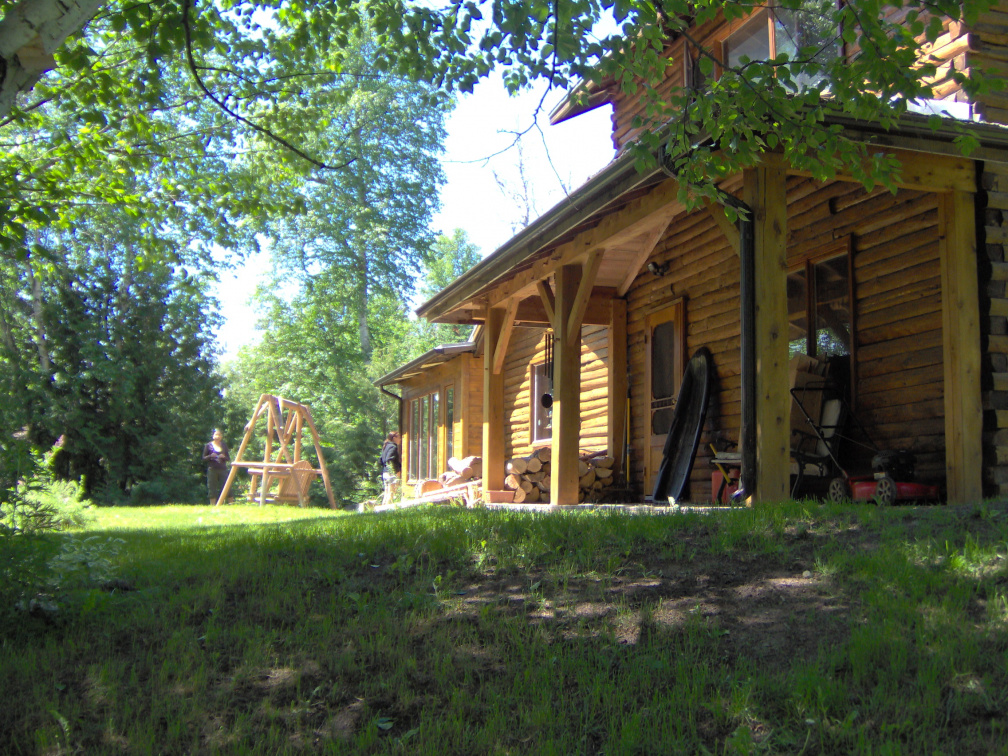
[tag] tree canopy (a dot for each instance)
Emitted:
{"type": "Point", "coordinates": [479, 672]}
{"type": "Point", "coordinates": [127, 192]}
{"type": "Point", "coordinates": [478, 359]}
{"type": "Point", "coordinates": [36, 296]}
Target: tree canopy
{"type": "Point", "coordinates": [704, 130]}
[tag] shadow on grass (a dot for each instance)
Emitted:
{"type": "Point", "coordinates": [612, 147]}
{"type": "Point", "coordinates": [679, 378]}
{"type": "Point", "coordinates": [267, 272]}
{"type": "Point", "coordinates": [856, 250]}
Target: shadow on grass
{"type": "Point", "coordinates": [446, 631]}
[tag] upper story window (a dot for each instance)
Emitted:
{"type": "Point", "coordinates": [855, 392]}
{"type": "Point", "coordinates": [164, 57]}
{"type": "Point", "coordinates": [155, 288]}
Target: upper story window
{"type": "Point", "coordinates": [750, 42]}
{"type": "Point", "coordinates": [781, 31]}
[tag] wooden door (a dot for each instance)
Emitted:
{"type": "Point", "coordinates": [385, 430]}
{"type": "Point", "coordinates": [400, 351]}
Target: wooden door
{"type": "Point", "coordinates": [665, 340]}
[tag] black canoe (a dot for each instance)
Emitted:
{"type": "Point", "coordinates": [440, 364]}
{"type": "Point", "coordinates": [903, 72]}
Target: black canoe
{"type": "Point", "coordinates": [684, 430]}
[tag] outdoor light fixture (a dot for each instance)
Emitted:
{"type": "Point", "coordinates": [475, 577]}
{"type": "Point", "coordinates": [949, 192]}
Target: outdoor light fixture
{"type": "Point", "coordinates": [657, 269]}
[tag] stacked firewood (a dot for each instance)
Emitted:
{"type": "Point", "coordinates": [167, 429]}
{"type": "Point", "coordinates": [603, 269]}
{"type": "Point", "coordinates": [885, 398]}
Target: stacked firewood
{"type": "Point", "coordinates": [462, 470]}
{"type": "Point", "coordinates": [529, 477]}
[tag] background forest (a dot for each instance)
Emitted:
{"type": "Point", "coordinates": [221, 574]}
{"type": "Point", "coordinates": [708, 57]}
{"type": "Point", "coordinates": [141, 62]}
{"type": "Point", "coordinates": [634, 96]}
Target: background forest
{"type": "Point", "coordinates": [148, 163]}
{"type": "Point", "coordinates": [168, 141]}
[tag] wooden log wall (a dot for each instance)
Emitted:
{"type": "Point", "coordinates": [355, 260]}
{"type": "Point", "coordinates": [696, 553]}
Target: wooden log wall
{"type": "Point", "coordinates": [630, 106]}
{"type": "Point", "coordinates": [897, 310]}
{"type": "Point", "coordinates": [704, 268]}
{"type": "Point", "coordinates": [527, 347]}
{"type": "Point", "coordinates": [989, 51]}
{"type": "Point", "coordinates": [993, 240]}
{"type": "Point", "coordinates": [465, 373]}
{"type": "Point", "coordinates": [472, 427]}
{"type": "Point", "coordinates": [897, 288]}
{"type": "Point", "coordinates": [948, 51]}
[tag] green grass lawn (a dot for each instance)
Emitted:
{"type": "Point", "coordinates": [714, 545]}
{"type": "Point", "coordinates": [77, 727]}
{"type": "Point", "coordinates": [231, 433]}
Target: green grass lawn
{"type": "Point", "coordinates": [790, 629]}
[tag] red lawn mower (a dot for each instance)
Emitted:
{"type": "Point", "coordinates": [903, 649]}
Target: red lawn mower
{"type": "Point", "coordinates": [815, 445]}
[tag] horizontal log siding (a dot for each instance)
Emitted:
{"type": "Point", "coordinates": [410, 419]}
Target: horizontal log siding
{"type": "Point", "coordinates": [898, 311]}
{"type": "Point", "coordinates": [527, 347]}
{"type": "Point", "coordinates": [897, 282]}
{"type": "Point", "coordinates": [628, 106]}
{"type": "Point", "coordinates": [989, 37]}
{"type": "Point", "coordinates": [704, 269]}
{"type": "Point", "coordinates": [994, 328]}
{"type": "Point", "coordinates": [474, 436]}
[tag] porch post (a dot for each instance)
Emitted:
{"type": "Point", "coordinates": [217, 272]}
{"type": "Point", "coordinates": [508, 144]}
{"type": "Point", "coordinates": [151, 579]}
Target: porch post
{"type": "Point", "coordinates": [493, 404]}
{"type": "Point", "coordinates": [566, 389]}
{"type": "Point", "coordinates": [961, 341]}
{"type": "Point", "coordinates": [617, 382]}
{"type": "Point", "coordinates": [765, 192]}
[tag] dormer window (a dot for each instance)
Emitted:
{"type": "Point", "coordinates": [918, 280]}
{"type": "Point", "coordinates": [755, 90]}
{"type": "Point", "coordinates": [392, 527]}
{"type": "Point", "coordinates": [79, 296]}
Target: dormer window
{"type": "Point", "coordinates": [782, 31]}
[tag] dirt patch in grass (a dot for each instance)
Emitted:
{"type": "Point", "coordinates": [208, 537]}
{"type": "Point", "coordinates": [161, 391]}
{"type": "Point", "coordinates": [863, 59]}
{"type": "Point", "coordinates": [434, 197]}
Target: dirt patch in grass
{"type": "Point", "coordinates": [773, 613]}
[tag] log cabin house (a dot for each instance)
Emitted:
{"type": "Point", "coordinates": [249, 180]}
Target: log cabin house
{"type": "Point", "coordinates": [620, 283]}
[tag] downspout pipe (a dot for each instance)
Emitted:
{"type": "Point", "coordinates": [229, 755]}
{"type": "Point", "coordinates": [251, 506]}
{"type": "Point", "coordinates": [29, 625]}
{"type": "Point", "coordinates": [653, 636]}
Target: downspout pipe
{"type": "Point", "coordinates": [747, 356]}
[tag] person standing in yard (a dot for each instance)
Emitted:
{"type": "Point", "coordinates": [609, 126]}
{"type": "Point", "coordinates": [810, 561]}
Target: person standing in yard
{"type": "Point", "coordinates": [217, 458]}
{"type": "Point", "coordinates": [391, 466]}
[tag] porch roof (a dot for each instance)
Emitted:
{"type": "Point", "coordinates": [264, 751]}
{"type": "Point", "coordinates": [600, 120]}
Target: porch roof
{"type": "Point", "coordinates": [436, 356]}
{"type": "Point", "coordinates": [619, 185]}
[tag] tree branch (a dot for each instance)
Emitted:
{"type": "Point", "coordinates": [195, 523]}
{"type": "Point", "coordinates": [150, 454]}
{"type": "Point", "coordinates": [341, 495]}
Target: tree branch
{"type": "Point", "coordinates": [194, 69]}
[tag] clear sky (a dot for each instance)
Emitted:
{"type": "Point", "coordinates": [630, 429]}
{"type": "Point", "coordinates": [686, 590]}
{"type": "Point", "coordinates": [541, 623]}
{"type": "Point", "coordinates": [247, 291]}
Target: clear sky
{"type": "Point", "coordinates": [562, 155]}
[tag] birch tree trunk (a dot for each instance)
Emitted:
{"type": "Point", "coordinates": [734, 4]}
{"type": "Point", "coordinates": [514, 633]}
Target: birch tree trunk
{"type": "Point", "coordinates": [30, 32]}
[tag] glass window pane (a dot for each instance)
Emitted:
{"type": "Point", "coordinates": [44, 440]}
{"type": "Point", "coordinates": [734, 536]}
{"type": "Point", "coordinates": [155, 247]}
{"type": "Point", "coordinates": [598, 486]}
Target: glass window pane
{"type": "Point", "coordinates": [750, 42]}
{"type": "Point", "coordinates": [449, 422]}
{"type": "Point", "coordinates": [808, 30]}
{"type": "Point", "coordinates": [542, 417]}
{"type": "Point", "coordinates": [797, 297]}
{"type": "Point", "coordinates": [663, 350]}
{"type": "Point", "coordinates": [414, 439]}
{"type": "Point", "coordinates": [433, 471]}
{"type": "Point", "coordinates": [833, 312]}
{"type": "Point", "coordinates": [424, 437]}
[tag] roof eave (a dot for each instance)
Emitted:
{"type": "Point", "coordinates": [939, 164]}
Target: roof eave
{"type": "Point", "coordinates": [429, 358]}
{"type": "Point", "coordinates": [620, 176]}
{"type": "Point", "coordinates": [617, 178]}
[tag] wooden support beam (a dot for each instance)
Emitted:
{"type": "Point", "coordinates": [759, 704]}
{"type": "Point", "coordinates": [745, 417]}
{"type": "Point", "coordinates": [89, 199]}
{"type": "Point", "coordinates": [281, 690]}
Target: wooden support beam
{"type": "Point", "coordinates": [507, 328]}
{"type": "Point", "coordinates": [493, 404]}
{"type": "Point", "coordinates": [589, 272]}
{"type": "Point", "coordinates": [641, 216]}
{"type": "Point", "coordinates": [961, 340]}
{"type": "Point", "coordinates": [921, 171]}
{"type": "Point", "coordinates": [268, 453]}
{"type": "Point", "coordinates": [249, 429]}
{"type": "Point", "coordinates": [765, 192]}
{"type": "Point", "coordinates": [531, 311]}
{"type": "Point", "coordinates": [548, 300]}
{"type": "Point", "coordinates": [321, 459]}
{"type": "Point", "coordinates": [566, 390]}
{"type": "Point", "coordinates": [644, 252]}
{"type": "Point", "coordinates": [617, 383]}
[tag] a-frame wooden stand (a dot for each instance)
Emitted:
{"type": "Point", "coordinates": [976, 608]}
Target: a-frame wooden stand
{"type": "Point", "coordinates": [293, 474]}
